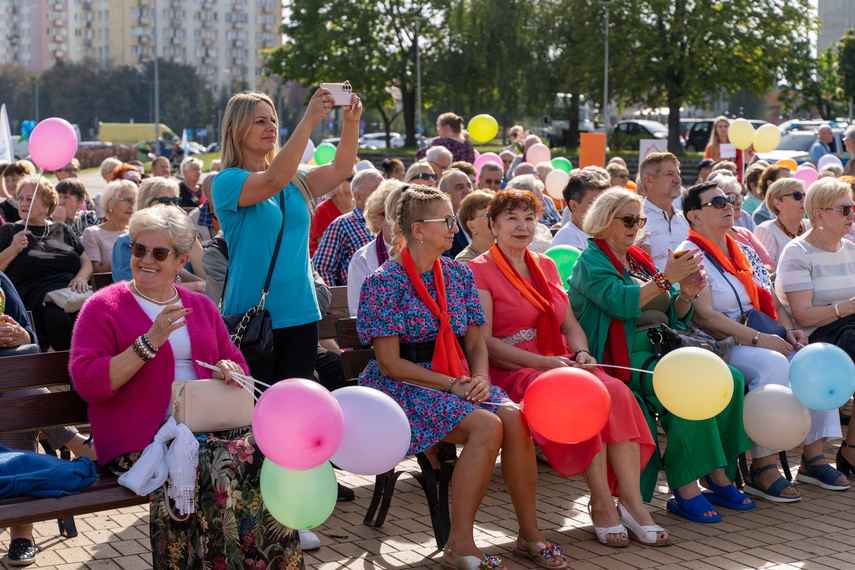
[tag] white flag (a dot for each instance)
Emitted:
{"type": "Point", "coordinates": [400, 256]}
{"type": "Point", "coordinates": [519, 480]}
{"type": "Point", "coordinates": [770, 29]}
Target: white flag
{"type": "Point", "coordinates": [184, 143]}
{"type": "Point", "coordinates": [7, 150]}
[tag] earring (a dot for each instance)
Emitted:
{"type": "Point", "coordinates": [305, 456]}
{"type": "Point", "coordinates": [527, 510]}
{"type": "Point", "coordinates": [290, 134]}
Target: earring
{"type": "Point", "coordinates": [822, 228]}
{"type": "Point", "coordinates": [177, 278]}
{"type": "Point", "coordinates": [421, 241]}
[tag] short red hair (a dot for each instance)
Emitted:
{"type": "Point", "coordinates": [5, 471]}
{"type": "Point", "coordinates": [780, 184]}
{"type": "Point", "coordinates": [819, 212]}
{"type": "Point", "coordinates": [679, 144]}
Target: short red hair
{"type": "Point", "coordinates": [511, 199]}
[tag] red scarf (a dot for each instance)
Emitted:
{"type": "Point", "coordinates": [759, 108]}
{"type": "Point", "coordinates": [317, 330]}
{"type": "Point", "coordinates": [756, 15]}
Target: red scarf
{"type": "Point", "coordinates": [448, 357]}
{"type": "Point", "coordinates": [737, 264]}
{"type": "Point", "coordinates": [550, 341]}
{"type": "Point", "coordinates": [616, 350]}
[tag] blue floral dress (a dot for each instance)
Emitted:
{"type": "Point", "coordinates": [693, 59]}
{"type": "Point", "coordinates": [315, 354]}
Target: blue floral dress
{"type": "Point", "coordinates": [390, 306]}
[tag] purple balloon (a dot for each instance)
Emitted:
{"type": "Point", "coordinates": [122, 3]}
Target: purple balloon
{"type": "Point", "coordinates": [53, 143]}
{"type": "Point", "coordinates": [308, 153]}
{"type": "Point", "coordinates": [828, 159]}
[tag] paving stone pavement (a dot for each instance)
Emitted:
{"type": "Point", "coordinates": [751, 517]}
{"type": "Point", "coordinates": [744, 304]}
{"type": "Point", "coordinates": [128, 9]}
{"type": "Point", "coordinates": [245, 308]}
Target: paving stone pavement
{"type": "Point", "coordinates": [818, 532]}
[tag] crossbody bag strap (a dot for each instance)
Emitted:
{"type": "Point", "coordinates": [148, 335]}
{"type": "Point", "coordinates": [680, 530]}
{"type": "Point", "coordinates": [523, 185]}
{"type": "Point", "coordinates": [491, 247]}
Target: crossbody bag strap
{"type": "Point", "coordinates": [726, 280]}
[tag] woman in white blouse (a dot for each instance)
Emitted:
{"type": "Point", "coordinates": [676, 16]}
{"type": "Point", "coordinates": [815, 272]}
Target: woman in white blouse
{"type": "Point", "coordinates": [786, 199]}
{"type": "Point", "coordinates": [118, 201]}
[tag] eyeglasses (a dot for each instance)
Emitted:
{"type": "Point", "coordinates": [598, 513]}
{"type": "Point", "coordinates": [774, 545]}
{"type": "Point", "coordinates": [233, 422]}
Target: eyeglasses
{"type": "Point", "coordinates": [737, 198]}
{"type": "Point", "coordinates": [797, 196]}
{"type": "Point", "coordinates": [441, 167]}
{"type": "Point", "coordinates": [127, 201]}
{"type": "Point", "coordinates": [426, 176]}
{"type": "Point", "coordinates": [630, 221]}
{"type": "Point", "coordinates": [844, 210]}
{"type": "Point", "coordinates": [166, 201]}
{"type": "Point", "coordinates": [157, 253]}
{"type": "Point", "coordinates": [449, 221]}
{"type": "Point", "coordinates": [718, 202]}
{"type": "Point", "coordinates": [71, 170]}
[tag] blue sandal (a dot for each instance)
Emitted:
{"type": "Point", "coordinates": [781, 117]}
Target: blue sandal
{"type": "Point", "coordinates": [693, 509]}
{"type": "Point", "coordinates": [727, 496]}
{"type": "Point", "coordinates": [824, 476]}
{"type": "Point", "coordinates": [773, 492]}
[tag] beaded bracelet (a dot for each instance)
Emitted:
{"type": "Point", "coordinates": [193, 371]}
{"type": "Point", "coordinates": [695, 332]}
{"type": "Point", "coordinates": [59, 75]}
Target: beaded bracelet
{"type": "Point", "coordinates": [143, 348]}
{"type": "Point", "coordinates": [148, 344]}
{"type": "Point", "coordinates": [452, 385]}
{"type": "Point", "coordinates": [139, 353]}
{"type": "Point", "coordinates": [662, 282]}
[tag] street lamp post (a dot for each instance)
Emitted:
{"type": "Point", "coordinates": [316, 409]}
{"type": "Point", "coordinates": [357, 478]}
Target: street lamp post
{"type": "Point", "coordinates": [156, 88]}
{"type": "Point", "coordinates": [418, 79]}
{"type": "Point", "coordinates": [606, 5]}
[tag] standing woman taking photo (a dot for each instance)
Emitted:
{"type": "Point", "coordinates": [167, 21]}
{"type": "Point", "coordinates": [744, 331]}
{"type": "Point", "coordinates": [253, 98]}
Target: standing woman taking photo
{"type": "Point", "coordinates": [255, 186]}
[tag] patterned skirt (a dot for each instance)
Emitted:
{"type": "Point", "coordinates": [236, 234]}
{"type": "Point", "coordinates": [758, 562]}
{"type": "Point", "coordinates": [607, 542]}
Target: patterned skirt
{"type": "Point", "coordinates": [230, 528]}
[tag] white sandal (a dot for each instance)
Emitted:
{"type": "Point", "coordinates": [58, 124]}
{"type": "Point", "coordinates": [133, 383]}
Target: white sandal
{"type": "Point", "coordinates": [645, 534]}
{"type": "Point", "coordinates": [603, 531]}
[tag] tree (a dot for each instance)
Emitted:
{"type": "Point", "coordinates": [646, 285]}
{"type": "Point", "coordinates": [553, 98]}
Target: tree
{"type": "Point", "coordinates": [846, 64]}
{"type": "Point", "coordinates": [677, 51]}
{"type": "Point", "coordinates": [813, 83]}
{"type": "Point", "coordinates": [371, 43]}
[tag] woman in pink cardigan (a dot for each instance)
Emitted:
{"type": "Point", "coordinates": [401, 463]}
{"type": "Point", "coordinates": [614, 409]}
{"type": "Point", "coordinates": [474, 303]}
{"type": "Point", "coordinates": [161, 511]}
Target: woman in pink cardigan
{"type": "Point", "coordinates": [130, 342]}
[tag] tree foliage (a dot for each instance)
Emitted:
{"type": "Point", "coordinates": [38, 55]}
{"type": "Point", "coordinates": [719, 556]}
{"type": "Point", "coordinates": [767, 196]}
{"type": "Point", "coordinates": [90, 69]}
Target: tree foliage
{"type": "Point", "coordinates": [815, 84]}
{"type": "Point", "coordinates": [846, 63]}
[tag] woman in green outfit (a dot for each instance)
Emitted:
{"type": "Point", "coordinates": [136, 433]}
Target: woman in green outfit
{"type": "Point", "coordinates": [615, 288]}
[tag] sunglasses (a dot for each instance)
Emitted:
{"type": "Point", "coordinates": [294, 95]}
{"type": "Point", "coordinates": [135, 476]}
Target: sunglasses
{"type": "Point", "coordinates": [157, 253]}
{"type": "Point", "coordinates": [349, 178]}
{"type": "Point", "coordinates": [630, 222]}
{"type": "Point", "coordinates": [719, 202]}
{"type": "Point", "coordinates": [797, 196]}
{"type": "Point", "coordinates": [844, 210]}
{"type": "Point", "coordinates": [426, 176]}
{"type": "Point", "coordinates": [167, 201]}
{"type": "Point", "coordinates": [449, 221]}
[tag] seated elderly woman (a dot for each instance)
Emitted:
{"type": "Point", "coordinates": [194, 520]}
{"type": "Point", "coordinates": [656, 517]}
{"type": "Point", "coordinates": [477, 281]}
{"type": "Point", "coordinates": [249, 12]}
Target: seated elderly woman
{"type": "Point", "coordinates": [786, 199]}
{"type": "Point", "coordinates": [72, 195]}
{"type": "Point", "coordinates": [530, 329]}
{"type": "Point", "coordinates": [743, 234]}
{"type": "Point", "coordinates": [188, 189]}
{"type": "Point", "coordinates": [770, 174]}
{"type": "Point", "coordinates": [542, 236]}
{"type": "Point", "coordinates": [44, 257]}
{"type": "Point", "coordinates": [421, 173]}
{"type": "Point", "coordinates": [131, 341]}
{"type": "Point", "coordinates": [615, 285]}
{"type": "Point", "coordinates": [154, 191]}
{"type": "Point", "coordinates": [472, 214]}
{"type": "Point", "coordinates": [375, 253]}
{"type": "Point", "coordinates": [417, 310]}
{"type": "Point", "coordinates": [738, 283]}
{"type": "Point", "coordinates": [118, 201]}
{"type": "Point", "coordinates": [815, 280]}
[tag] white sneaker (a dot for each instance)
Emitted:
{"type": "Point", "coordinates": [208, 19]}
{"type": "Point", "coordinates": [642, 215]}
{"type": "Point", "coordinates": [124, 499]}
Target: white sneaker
{"type": "Point", "coordinates": [309, 540]}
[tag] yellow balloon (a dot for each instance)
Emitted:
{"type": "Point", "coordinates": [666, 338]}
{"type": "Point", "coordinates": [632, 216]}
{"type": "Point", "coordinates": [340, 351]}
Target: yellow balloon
{"type": "Point", "coordinates": [789, 163]}
{"type": "Point", "coordinates": [483, 128]}
{"type": "Point", "coordinates": [740, 133]}
{"type": "Point", "coordinates": [312, 162]}
{"type": "Point", "coordinates": [767, 138]}
{"type": "Point", "coordinates": [693, 383]}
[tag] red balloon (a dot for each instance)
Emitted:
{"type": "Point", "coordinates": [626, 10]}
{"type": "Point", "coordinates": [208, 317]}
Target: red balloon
{"type": "Point", "coordinates": [567, 405]}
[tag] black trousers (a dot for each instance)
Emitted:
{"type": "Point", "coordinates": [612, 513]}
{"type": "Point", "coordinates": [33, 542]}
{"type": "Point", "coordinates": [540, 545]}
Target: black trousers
{"type": "Point", "coordinates": [53, 327]}
{"type": "Point", "coordinates": [293, 357]}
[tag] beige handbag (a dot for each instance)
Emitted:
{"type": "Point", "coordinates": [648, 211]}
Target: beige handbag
{"type": "Point", "coordinates": [212, 405]}
{"type": "Point", "coordinates": [68, 299]}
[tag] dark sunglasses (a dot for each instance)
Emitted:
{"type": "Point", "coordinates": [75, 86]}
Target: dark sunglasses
{"type": "Point", "coordinates": [844, 210]}
{"type": "Point", "coordinates": [426, 176]}
{"type": "Point", "coordinates": [797, 196]}
{"type": "Point", "coordinates": [630, 222]}
{"type": "Point", "coordinates": [719, 202]}
{"type": "Point", "coordinates": [449, 221]}
{"type": "Point", "coordinates": [157, 253]}
{"type": "Point", "coordinates": [349, 178]}
{"type": "Point", "coordinates": [167, 201]}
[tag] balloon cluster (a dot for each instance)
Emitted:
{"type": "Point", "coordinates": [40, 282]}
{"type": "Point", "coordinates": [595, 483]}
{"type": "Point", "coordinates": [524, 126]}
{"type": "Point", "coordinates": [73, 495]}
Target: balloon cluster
{"type": "Point", "coordinates": [301, 427]}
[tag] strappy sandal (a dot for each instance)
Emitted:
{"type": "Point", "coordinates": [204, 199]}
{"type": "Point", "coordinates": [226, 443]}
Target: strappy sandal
{"type": "Point", "coordinates": [645, 534]}
{"type": "Point", "coordinates": [540, 553]}
{"type": "Point", "coordinates": [773, 493]}
{"type": "Point", "coordinates": [693, 509]}
{"type": "Point", "coordinates": [824, 476]}
{"type": "Point", "coordinates": [727, 496]}
{"type": "Point", "coordinates": [470, 562]}
{"type": "Point", "coordinates": [603, 531]}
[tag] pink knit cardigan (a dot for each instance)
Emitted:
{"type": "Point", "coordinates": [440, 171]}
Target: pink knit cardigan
{"type": "Point", "coordinates": [127, 419]}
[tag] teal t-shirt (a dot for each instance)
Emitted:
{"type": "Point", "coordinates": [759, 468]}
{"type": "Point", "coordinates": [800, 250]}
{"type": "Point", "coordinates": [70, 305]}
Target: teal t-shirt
{"type": "Point", "coordinates": [251, 233]}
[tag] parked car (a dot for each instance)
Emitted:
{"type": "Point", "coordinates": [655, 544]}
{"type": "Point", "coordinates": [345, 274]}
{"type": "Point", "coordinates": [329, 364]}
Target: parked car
{"type": "Point", "coordinates": [401, 140]}
{"type": "Point", "coordinates": [626, 134]}
{"type": "Point", "coordinates": [686, 125]}
{"type": "Point", "coordinates": [809, 125]}
{"type": "Point", "coordinates": [213, 147]}
{"type": "Point", "coordinates": [375, 140]}
{"type": "Point", "coordinates": [796, 145]}
{"type": "Point", "coordinates": [331, 140]}
{"type": "Point", "coordinates": [699, 134]}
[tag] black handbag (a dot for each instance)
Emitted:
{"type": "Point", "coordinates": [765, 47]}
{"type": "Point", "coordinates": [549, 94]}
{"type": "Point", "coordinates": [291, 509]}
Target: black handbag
{"type": "Point", "coordinates": [755, 318]}
{"type": "Point", "coordinates": [252, 332]}
{"type": "Point", "coordinates": [665, 339]}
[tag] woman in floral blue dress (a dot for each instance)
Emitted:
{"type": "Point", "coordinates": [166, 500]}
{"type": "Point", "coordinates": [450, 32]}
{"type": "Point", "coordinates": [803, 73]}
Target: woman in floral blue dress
{"type": "Point", "coordinates": [420, 311]}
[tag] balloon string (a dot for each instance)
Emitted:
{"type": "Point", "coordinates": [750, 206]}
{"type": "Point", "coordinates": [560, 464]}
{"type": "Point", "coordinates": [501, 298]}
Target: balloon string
{"type": "Point", "coordinates": [625, 368]}
{"type": "Point", "coordinates": [241, 380]}
{"type": "Point", "coordinates": [35, 194]}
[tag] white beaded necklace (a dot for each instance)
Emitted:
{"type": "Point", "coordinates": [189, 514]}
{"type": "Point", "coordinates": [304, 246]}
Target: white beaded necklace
{"type": "Point", "coordinates": [155, 301]}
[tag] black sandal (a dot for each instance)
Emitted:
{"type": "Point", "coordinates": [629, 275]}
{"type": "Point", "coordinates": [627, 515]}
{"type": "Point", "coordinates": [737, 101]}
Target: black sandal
{"type": "Point", "coordinates": [22, 552]}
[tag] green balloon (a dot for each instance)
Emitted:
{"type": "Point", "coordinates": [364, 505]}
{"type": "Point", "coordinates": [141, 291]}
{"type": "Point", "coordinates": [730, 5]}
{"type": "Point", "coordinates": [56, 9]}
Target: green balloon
{"type": "Point", "coordinates": [324, 153]}
{"type": "Point", "coordinates": [564, 257]}
{"type": "Point", "coordinates": [561, 163]}
{"type": "Point", "coordinates": [298, 499]}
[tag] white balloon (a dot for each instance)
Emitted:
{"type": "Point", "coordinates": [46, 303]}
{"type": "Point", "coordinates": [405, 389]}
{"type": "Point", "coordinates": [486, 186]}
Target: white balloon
{"type": "Point", "coordinates": [364, 165]}
{"type": "Point", "coordinates": [555, 183]}
{"type": "Point", "coordinates": [309, 152]}
{"type": "Point", "coordinates": [774, 418]}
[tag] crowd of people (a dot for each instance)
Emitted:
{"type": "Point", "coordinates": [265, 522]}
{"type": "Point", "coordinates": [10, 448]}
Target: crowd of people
{"type": "Point", "coordinates": [447, 278]}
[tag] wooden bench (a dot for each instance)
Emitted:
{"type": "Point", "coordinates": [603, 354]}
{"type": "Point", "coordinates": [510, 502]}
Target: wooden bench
{"type": "Point", "coordinates": [354, 359]}
{"type": "Point", "coordinates": [338, 310]}
{"type": "Point", "coordinates": [43, 411]}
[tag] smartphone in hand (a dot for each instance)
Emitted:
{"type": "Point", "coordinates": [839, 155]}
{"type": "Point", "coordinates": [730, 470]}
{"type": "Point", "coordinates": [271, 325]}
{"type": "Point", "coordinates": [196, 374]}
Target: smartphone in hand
{"type": "Point", "coordinates": [341, 92]}
{"type": "Point", "coordinates": [693, 279]}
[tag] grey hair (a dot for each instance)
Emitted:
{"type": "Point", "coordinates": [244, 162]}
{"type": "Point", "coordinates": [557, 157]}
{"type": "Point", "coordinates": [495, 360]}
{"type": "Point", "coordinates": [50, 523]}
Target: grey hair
{"type": "Point", "coordinates": [443, 182]}
{"type": "Point", "coordinates": [376, 204]}
{"type": "Point", "coordinates": [110, 195]}
{"type": "Point", "coordinates": [160, 218]}
{"type": "Point", "coordinates": [187, 162]}
{"type": "Point", "coordinates": [108, 165]}
{"type": "Point", "coordinates": [849, 133]}
{"type": "Point", "coordinates": [528, 182]}
{"type": "Point", "coordinates": [152, 186]}
{"type": "Point", "coordinates": [362, 176]}
{"type": "Point", "coordinates": [726, 181]}
{"type": "Point", "coordinates": [435, 152]}
{"type": "Point", "coordinates": [543, 168]}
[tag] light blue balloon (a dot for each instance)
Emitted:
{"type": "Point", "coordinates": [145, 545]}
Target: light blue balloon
{"type": "Point", "coordinates": [822, 376]}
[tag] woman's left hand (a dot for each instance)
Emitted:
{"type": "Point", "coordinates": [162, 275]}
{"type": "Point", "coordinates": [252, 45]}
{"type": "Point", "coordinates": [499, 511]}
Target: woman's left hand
{"type": "Point", "coordinates": [79, 285]}
{"type": "Point", "coordinates": [585, 360]}
{"type": "Point", "coordinates": [692, 291]}
{"type": "Point", "coordinates": [11, 333]}
{"type": "Point", "coordinates": [226, 368]}
{"type": "Point", "coordinates": [477, 388]}
{"type": "Point", "coordinates": [797, 338]}
{"type": "Point", "coordinates": [351, 113]}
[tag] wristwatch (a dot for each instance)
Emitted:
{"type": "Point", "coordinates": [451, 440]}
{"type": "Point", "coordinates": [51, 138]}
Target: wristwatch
{"type": "Point", "coordinates": [756, 339]}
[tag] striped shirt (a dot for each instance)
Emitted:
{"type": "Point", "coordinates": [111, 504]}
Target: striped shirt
{"type": "Point", "coordinates": [828, 274]}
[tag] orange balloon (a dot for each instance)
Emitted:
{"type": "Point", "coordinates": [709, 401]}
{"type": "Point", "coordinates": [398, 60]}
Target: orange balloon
{"type": "Point", "coordinates": [567, 405]}
{"type": "Point", "coordinates": [789, 163]}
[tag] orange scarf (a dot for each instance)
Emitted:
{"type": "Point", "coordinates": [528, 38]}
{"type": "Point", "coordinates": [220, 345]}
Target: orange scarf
{"type": "Point", "coordinates": [550, 341]}
{"type": "Point", "coordinates": [448, 357]}
{"type": "Point", "coordinates": [738, 265]}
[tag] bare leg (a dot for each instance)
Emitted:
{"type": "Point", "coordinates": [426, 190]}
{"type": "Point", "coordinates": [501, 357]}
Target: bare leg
{"type": "Point", "coordinates": [604, 512]}
{"type": "Point", "coordinates": [78, 446]}
{"type": "Point", "coordinates": [21, 531]}
{"type": "Point", "coordinates": [625, 459]}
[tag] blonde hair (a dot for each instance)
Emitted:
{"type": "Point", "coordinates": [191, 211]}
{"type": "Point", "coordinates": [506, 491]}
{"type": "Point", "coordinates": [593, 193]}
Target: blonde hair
{"type": "Point", "coordinates": [600, 215]}
{"type": "Point", "coordinates": [414, 204]}
{"type": "Point", "coordinates": [111, 193]}
{"type": "Point", "coordinates": [376, 204]}
{"type": "Point", "coordinates": [822, 194]}
{"type": "Point", "coordinates": [152, 186]}
{"type": "Point", "coordinates": [45, 190]}
{"type": "Point", "coordinates": [714, 140]}
{"type": "Point", "coordinates": [417, 168]}
{"type": "Point", "coordinates": [108, 165]}
{"type": "Point", "coordinates": [237, 122]}
{"type": "Point", "coordinates": [161, 218]}
{"type": "Point", "coordinates": [391, 216]}
{"type": "Point", "coordinates": [780, 187]}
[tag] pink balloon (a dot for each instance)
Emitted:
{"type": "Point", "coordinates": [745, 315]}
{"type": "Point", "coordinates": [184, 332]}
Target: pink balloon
{"type": "Point", "coordinates": [808, 175]}
{"type": "Point", "coordinates": [53, 143]}
{"type": "Point", "coordinates": [477, 154]}
{"type": "Point", "coordinates": [482, 160]}
{"type": "Point", "coordinates": [297, 424]}
{"type": "Point", "coordinates": [538, 153]}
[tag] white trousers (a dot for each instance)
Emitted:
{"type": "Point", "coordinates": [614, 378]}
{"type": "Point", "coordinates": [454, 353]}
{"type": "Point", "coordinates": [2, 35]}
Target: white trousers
{"type": "Point", "coordinates": [762, 366]}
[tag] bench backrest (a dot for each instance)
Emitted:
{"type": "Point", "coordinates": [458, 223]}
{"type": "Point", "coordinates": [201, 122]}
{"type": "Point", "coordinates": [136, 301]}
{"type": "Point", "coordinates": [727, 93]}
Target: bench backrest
{"type": "Point", "coordinates": [356, 356]}
{"type": "Point", "coordinates": [100, 280]}
{"type": "Point", "coordinates": [338, 309]}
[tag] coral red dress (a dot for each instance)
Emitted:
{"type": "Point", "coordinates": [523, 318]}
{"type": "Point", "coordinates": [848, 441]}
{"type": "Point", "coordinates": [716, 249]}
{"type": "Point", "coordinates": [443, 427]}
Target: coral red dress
{"type": "Point", "coordinates": [514, 321]}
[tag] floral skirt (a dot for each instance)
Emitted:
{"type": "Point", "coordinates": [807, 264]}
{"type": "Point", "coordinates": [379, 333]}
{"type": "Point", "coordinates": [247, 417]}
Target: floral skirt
{"type": "Point", "coordinates": [230, 528]}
